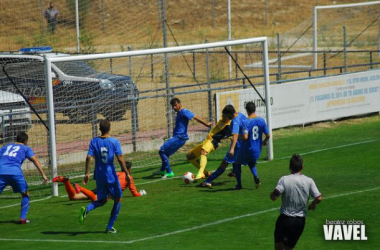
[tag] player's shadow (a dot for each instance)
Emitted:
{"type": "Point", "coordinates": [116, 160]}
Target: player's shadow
{"type": "Point", "coordinates": [216, 184]}
{"type": "Point", "coordinates": [71, 233]}
{"type": "Point", "coordinates": [138, 171]}
{"type": "Point", "coordinates": [10, 222]}
{"type": "Point", "coordinates": [213, 160]}
{"type": "Point", "coordinates": [210, 190]}
{"type": "Point", "coordinates": [70, 203]}
{"type": "Point", "coordinates": [151, 177]}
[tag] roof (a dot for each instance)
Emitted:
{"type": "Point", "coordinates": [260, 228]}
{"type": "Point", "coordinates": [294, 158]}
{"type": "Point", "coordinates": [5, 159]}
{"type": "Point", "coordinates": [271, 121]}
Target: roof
{"type": "Point", "coordinates": [33, 53]}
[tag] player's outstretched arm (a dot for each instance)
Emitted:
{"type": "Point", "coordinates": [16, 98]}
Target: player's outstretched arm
{"type": "Point", "coordinates": [38, 166]}
{"type": "Point", "coordinates": [123, 166]}
{"type": "Point", "coordinates": [274, 195]}
{"type": "Point", "coordinates": [233, 144]}
{"type": "Point", "coordinates": [207, 124]}
{"type": "Point", "coordinates": [86, 177]}
{"type": "Point", "coordinates": [265, 141]}
{"type": "Point", "coordinates": [315, 202]}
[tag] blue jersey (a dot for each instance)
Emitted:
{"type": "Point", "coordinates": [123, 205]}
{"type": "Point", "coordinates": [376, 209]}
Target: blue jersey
{"type": "Point", "coordinates": [12, 157]}
{"type": "Point", "coordinates": [181, 123]}
{"type": "Point", "coordinates": [256, 127]}
{"type": "Point", "coordinates": [237, 126]}
{"type": "Point", "coordinates": [103, 150]}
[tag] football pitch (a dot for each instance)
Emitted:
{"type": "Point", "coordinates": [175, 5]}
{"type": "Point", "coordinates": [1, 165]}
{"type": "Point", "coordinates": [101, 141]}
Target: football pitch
{"type": "Point", "coordinates": [343, 158]}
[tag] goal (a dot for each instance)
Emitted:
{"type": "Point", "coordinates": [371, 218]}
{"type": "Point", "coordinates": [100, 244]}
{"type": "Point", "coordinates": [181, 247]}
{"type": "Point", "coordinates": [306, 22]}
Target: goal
{"type": "Point", "coordinates": [70, 94]}
{"type": "Point", "coordinates": [361, 23]}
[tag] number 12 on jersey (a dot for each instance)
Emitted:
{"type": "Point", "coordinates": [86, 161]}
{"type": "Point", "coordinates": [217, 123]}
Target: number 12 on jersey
{"type": "Point", "coordinates": [12, 153]}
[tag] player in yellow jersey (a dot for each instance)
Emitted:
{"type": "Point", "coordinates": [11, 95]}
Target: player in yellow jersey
{"type": "Point", "coordinates": [220, 131]}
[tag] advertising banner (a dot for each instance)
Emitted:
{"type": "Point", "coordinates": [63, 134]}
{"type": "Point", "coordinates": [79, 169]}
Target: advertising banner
{"type": "Point", "coordinates": [312, 100]}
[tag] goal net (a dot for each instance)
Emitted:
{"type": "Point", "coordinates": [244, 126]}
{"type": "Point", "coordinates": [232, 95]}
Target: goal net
{"type": "Point", "coordinates": [323, 32]}
{"type": "Point", "coordinates": [355, 26]}
{"type": "Point", "coordinates": [22, 88]}
{"type": "Point", "coordinates": [135, 91]}
{"type": "Point", "coordinates": [132, 90]}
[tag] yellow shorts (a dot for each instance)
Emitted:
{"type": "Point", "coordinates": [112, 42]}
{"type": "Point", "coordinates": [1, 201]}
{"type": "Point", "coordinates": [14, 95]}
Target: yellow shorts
{"type": "Point", "coordinates": [205, 145]}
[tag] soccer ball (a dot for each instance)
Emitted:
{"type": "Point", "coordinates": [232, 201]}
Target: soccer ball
{"type": "Point", "coordinates": [188, 177]}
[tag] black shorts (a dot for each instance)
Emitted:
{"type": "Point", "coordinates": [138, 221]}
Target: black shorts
{"type": "Point", "coordinates": [288, 229]}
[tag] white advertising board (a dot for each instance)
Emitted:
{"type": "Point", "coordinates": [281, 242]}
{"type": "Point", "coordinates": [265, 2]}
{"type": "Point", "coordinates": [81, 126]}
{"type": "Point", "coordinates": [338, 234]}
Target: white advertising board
{"type": "Point", "coordinates": [313, 100]}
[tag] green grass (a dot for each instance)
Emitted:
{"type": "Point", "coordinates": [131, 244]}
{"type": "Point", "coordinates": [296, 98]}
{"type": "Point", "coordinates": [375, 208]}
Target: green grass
{"type": "Point", "coordinates": [345, 171]}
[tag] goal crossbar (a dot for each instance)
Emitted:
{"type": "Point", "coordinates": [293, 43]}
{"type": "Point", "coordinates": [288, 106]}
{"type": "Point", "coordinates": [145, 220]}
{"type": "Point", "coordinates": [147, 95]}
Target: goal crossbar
{"type": "Point", "coordinates": [159, 50]}
{"type": "Point", "coordinates": [338, 6]}
{"type": "Point", "coordinates": [315, 20]}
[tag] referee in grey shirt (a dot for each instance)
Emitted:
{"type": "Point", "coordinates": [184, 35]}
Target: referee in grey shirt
{"type": "Point", "coordinates": [295, 190]}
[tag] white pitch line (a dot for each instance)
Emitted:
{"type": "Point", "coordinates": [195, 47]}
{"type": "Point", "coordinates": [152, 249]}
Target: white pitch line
{"type": "Point", "coordinates": [201, 226]}
{"type": "Point", "coordinates": [355, 192]}
{"type": "Point", "coordinates": [182, 230]}
{"type": "Point", "coordinates": [151, 237]}
{"type": "Point", "coordinates": [325, 149]}
{"type": "Point", "coordinates": [18, 204]}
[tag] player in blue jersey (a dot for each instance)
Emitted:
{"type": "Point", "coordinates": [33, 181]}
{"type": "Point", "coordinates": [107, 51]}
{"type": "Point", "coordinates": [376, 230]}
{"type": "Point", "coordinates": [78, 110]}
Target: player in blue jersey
{"type": "Point", "coordinates": [237, 127]}
{"type": "Point", "coordinates": [12, 156]}
{"type": "Point", "coordinates": [179, 137]}
{"type": "Point", "coordinates": [251, 145]}
{"type": "Point", "coordinates": [103, 149]}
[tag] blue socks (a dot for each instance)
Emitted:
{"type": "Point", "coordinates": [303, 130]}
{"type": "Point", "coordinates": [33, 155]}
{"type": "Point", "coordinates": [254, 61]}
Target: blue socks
{"type": "Point", "coordinates": [165, 162]}
{"type": "Point", "coordinates": [253, 169]}
{"type": "Point", "coordinates": [114, 213]}
{"type": "Point", "coordinates": [216, 174]}
{"type": "Point", "coordinates": [25, 204]}
{"type": "Point", "coordinates": [237, 172]}
{"type": "Point", "coordinates": [93, 205]}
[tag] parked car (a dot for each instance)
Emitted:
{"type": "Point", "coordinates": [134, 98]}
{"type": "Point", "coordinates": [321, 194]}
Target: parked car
{"type": "Point", "coordinates": [14, 114]}
{"type": "Point", "coordinates": [80, 91]}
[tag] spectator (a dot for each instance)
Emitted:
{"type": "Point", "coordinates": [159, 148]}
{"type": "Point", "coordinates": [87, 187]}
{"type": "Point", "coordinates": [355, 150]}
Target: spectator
{"type": "Point", "coordinates": [51, 15]}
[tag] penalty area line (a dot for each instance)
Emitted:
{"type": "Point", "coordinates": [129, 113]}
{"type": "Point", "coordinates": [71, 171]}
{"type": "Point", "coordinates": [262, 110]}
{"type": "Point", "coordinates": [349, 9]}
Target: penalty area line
{"type": "Point", "coordinates": [182, 230]}
{"type": "Point", "coordinates": [18, 204]}
{"type": "Point", "coordinates": [324, 149]}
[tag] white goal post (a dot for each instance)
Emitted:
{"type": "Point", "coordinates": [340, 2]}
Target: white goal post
{"type": "Point", "coordinates": [49, 82]}
{"type": "Point", "coordinates": [315, 22]}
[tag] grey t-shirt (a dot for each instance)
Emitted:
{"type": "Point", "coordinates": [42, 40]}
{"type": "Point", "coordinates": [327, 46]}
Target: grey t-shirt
{"type": "Point", "coordinates": [51, 13]}
{"type": "Point", "coordinates": [295, 190]}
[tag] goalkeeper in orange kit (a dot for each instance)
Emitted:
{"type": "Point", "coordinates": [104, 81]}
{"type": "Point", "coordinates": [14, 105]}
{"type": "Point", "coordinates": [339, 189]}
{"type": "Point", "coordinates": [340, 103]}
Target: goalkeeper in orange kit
{"type": "Point", "coordinates": [80, 193]}
{"type": "Point", "coordinates": [220, 131]}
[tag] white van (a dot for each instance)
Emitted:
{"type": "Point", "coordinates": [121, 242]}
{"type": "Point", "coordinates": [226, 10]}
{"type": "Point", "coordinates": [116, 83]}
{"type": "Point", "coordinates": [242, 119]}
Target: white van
{"type": "Point", "coordinates": [14, 114]}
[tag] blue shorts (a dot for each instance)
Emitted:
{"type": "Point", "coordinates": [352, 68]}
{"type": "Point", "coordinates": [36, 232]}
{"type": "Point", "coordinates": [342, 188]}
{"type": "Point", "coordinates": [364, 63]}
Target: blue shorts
{"type": "Point", "coordinates": [104, 191]}
{"type": "Point", "coordinates": [17, 182]}
{"type": "Point", "coordinates": [247, 157]}
{"type": "Point", "coordinates": [228, 158]}
{"type": "Point", "coordinates": [172, 145]}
